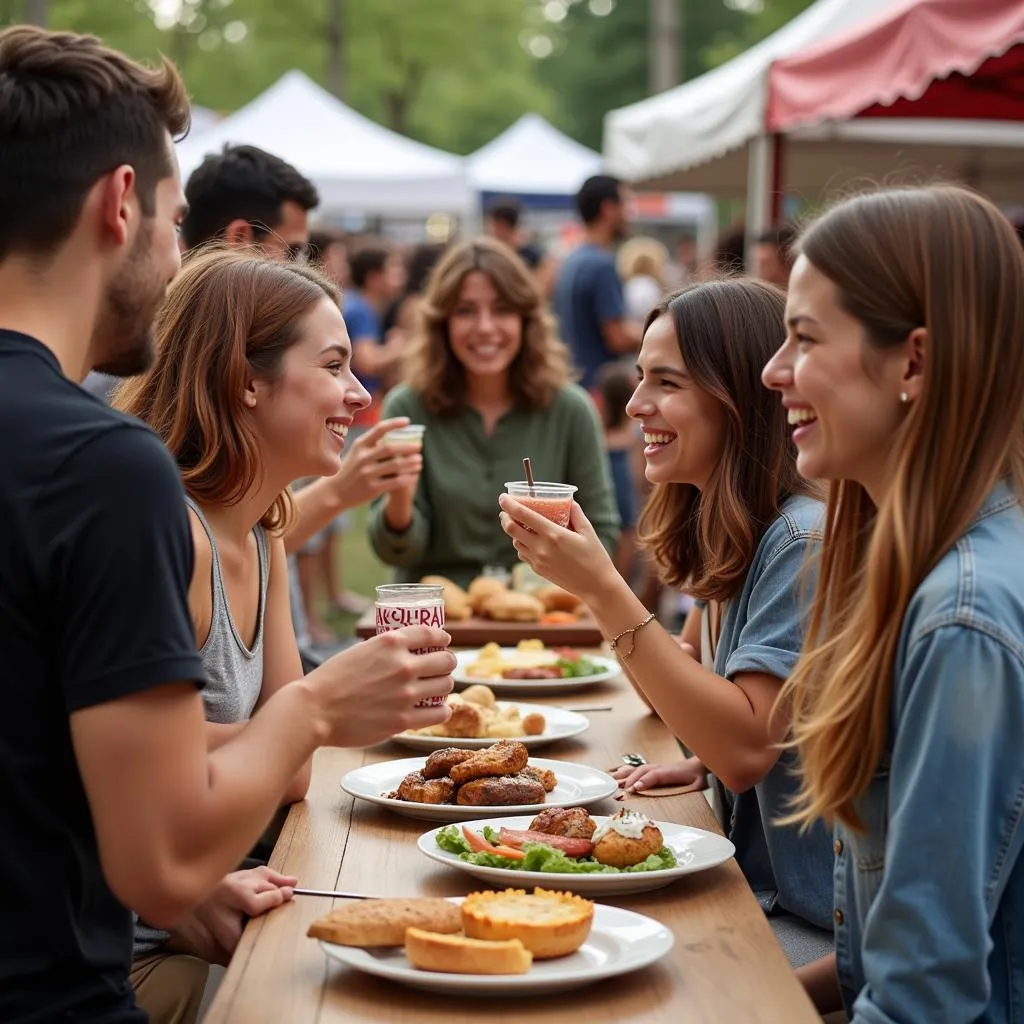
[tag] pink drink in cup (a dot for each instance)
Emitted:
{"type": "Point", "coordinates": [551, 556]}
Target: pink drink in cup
{"type": "Point", "coordinates": [411, 604]}
{"type": "Point", "coordinates": [552, 501]}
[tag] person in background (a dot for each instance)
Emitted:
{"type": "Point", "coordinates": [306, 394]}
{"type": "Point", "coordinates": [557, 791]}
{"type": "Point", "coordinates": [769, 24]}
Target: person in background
{"type": "Point", "coordinates": [588, 297]}
{"type": "Point", "coordinates": [244, 196]}
{"type": "Point", "coordinates": [642, 264]}
{"type": "Point", "coordinates": [902, 372]}
{"type": "Point", "coordinates": [488, 377]}
{"type": "Point", "coordinates": [377, 278]}
{"type": "Point", "coordinates": [328, 249]}
{"type": "Point", "coordinates": [403, 310]}
{"type": "Point", "coordinates": [319, 560]}
{"type": "Point", "coordinates": [623, 441]}
{"type": "Point", "coordinates": [504, 222]}
{"type": "Point", "coordinates": [730, 251]}
{"type": "Point", "coordinates": [730, 520]}
{"type": "Point", "coordinates": [231, 316]}
{"type": "Point", "coordinates": [773, 255]}
{"type": "Point", "coordinates": [112, 796]}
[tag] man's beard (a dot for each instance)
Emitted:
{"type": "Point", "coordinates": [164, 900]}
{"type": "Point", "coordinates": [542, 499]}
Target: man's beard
{"type": "Point", "coordinates": [123, 337]}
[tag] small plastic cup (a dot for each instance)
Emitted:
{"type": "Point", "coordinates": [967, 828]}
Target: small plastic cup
{"type": "Point", "coordinates": [552, 501]}
{"type": "Point", "coordinates": [411, 604]}
{"type": "Point", "coordinates": [411, 435]}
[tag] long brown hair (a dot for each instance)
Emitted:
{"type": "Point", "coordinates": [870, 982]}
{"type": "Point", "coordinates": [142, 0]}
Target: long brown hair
{"type": "Point", "coordinates": [229, 316]}
{"type": "Point", "coordinates": [537, 372]}
{"type": "Point", "coordinates": [946, 260]}
{"type": "Point", "coordinates": [705, 540]}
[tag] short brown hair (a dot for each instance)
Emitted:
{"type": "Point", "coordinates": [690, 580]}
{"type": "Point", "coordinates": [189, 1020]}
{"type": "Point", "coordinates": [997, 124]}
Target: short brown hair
{"type": "Point", "coordinates": [537, 372]}
{"type": "Point", "coordinates": [705, 540]}
{"type": "Point", "coordinates": [71, 111]}
{"type": "Point", "coordinates": [230, 314]}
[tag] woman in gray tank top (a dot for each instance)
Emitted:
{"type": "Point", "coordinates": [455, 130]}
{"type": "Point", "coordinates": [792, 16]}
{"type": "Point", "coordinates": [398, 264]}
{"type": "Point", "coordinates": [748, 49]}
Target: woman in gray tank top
{"type": "Point", "coordinates": [252, 388]}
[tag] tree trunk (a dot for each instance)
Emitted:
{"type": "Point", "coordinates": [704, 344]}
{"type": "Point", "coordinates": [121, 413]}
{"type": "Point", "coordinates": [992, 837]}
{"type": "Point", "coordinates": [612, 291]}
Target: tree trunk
{"type": "Point", "coordinates": [663, 46]}
{"type": "Point", "coordinates": [336, 47]}
{"type": "Point", "coordinates": [37, 12]}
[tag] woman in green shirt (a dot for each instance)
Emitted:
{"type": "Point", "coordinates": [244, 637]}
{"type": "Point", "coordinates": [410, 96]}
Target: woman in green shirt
{"type": "Point", "coordinates": [488, 377]}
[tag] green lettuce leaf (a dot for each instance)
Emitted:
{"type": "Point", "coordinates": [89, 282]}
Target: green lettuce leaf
{"type": "Point", "coordinates": [544, 859]}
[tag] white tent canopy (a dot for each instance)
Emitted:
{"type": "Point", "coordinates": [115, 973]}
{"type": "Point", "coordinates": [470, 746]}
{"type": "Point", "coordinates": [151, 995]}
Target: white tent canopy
{"type": "Point", "coordinates": [721, 110]}
{"type": "Point", "coordinates": [357, 165]}
{"type": "Point", "coordinates": [532, 157]}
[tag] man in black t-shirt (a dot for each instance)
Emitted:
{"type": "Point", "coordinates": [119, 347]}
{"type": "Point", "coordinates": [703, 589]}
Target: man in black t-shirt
{"type": "Point", "coordinates": [111, 798]}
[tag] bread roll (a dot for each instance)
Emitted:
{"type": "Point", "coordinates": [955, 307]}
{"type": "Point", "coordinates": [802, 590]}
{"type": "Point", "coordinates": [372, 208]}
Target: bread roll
{"type": "Point", "coordinates": [383, 922]}
{"type": "Point", "coordinates": [512, 607]}
{"type": "Point", "coordinates": [456, 600]}
{"type": "Point", "coordinates": [455, 954]}
{"type": "Point", "coordinates": [481, 589]}
{"type": "Point", "coordinates": [555, 599]}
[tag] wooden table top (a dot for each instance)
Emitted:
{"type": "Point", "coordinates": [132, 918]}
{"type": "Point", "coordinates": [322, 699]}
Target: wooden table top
{"type": "Point", "coordinates": [725, 965]}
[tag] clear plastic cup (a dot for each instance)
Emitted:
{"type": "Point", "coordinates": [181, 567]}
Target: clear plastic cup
{"type": "Point", "coordinates": [411, 604]}
{"type": "Point", "coordinates": [411, 435]}
{"type": "Point", "coordinates": [552, 501]}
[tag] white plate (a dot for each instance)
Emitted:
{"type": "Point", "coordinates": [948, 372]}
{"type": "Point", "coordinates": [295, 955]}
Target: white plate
{"type": "Point", "coordinates": [578, 786]}
{"type": "Point", "coordinates": [619, 942]}
{"type": "Point", "coordinates": [560, 725]}
{"type": "Point", "coordinates": [695, 850]}
{"type": "Point", "coordinates": [609, 669]}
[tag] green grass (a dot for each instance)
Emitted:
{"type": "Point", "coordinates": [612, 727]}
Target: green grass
{"type": "Point", "coordinates": [362, 570]}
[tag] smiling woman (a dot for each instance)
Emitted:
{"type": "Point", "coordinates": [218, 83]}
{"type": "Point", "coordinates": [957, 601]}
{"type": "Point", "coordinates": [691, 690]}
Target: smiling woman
{"type": "Point", "coordinates": [252, 388]}
{"type": "Point", "coordinates": [489, 379]}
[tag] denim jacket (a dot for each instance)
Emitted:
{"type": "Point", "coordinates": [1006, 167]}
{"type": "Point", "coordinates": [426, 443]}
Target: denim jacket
{"type": "Point", "coordinates": [762, 631]}
{"type": "Point", "coordinates": [930, 899]}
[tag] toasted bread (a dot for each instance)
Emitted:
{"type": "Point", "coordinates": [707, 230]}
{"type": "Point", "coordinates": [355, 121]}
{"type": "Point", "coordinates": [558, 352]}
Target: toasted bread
{"type": "Point", "coordinates": [455, 954]}
{"type": "Point", "coordinates": [383, 922]}
{"type": "Point", "coordinates": [549, 924]}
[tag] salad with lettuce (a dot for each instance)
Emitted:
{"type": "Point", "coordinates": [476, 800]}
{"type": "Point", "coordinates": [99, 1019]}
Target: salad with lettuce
{"type": "Point", "coordinates": [538, 856]}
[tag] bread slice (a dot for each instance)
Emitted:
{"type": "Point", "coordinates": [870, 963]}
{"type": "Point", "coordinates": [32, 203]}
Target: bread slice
{"type": "Point", "coordinates": [455, 954]}
{"type": "Point", "coordinates": [549, 924]}
{"type": "Point", "coordinates": [383, 922]}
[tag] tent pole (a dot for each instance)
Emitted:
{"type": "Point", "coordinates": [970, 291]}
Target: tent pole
{"type": "Point", "coordinates": [760, 165]}
{"type": "Point", "coordinates": [778, 183]}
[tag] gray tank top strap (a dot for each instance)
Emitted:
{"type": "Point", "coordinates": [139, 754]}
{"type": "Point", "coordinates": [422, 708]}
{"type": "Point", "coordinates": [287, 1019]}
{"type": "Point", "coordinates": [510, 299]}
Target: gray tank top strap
{"type": "Point", "coordinates": [234, 671]}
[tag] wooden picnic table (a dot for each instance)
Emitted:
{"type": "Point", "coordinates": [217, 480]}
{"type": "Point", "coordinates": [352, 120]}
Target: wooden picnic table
{"type": "Point", "coordinates": [725, 966]}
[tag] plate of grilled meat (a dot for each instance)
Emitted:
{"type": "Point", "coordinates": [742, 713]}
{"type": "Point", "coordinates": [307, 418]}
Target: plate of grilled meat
{"type": "Point", "coordinates": [459, 785]}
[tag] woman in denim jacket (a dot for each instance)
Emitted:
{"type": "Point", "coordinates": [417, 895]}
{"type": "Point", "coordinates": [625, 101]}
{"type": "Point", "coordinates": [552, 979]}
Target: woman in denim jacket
{"type": "Point", "coordinates": [732, 522]}
{"type": "Point", "coordinates": [903, 372]}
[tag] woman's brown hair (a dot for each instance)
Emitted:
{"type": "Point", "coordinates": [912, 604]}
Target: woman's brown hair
{"type": "Point", "coordinates": [229, 316]}
{"type": "Point", "coordinates": [704, 540]}
{"type": "Point", "coordinates": [946, 260]}
{"type": "Point", "coordinates": [537, 372]}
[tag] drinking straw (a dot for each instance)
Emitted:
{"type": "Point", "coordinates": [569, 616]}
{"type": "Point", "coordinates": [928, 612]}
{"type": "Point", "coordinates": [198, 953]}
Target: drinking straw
{"type": "Point", "coordinates": [529, 476]}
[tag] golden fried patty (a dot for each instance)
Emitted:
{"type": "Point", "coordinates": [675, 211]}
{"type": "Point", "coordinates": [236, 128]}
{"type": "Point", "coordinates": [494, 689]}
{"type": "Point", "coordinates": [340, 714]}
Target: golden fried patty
{"type": "Point", "coordinates": [506, 791]}
{"type": "Point", "coordinates": [572, 822]}
{"type": "Point", "coordinates": [504, 758]}
{"type": "Point", "coordinates": [441, 762]}
{"type": "Point", "coordinates": [415, 788]}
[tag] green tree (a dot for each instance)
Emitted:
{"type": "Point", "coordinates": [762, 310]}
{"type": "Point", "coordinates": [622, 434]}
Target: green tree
{"type": "Point", "coordinates": [601, 61]}
{"type": "Point", "coordinates": [452, 75]}
{"type": "Point", "coordinates": [772, 15]}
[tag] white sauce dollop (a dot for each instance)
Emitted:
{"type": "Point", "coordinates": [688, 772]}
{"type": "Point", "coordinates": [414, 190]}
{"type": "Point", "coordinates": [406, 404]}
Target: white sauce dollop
{"type": "Point", "coordinates": [628, 824]}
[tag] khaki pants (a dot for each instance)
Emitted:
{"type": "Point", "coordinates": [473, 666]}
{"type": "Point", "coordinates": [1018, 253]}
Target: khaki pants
{"type": "Point", "coordinates": [169, 986]}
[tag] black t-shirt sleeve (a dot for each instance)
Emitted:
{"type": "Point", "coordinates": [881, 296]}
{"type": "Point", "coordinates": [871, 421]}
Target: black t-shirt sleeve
{"type": "Point", "coordinates": [120, 560]}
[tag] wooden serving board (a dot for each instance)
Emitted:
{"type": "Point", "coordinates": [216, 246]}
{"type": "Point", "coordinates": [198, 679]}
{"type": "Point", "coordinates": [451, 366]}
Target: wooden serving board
{"type": "Point", "coordinates": [475, 632]}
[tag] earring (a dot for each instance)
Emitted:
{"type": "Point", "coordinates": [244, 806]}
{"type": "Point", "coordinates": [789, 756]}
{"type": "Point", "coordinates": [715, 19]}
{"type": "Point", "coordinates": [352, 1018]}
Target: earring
{"type": "Point", "coordinates": [904, 397]}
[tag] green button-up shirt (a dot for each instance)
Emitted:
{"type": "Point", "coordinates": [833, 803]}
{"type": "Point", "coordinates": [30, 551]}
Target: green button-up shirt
{"type": "Point", "coordinates": [455, 530]}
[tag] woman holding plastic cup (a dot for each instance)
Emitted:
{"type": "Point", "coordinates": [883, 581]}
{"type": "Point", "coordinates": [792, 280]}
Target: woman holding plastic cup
{"type": "Point", "coordinates": [731, 521]}
{"type": "Point", "coordinates": [489, 382]}
{"type": "Point", "coordinates": [252, 387]}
